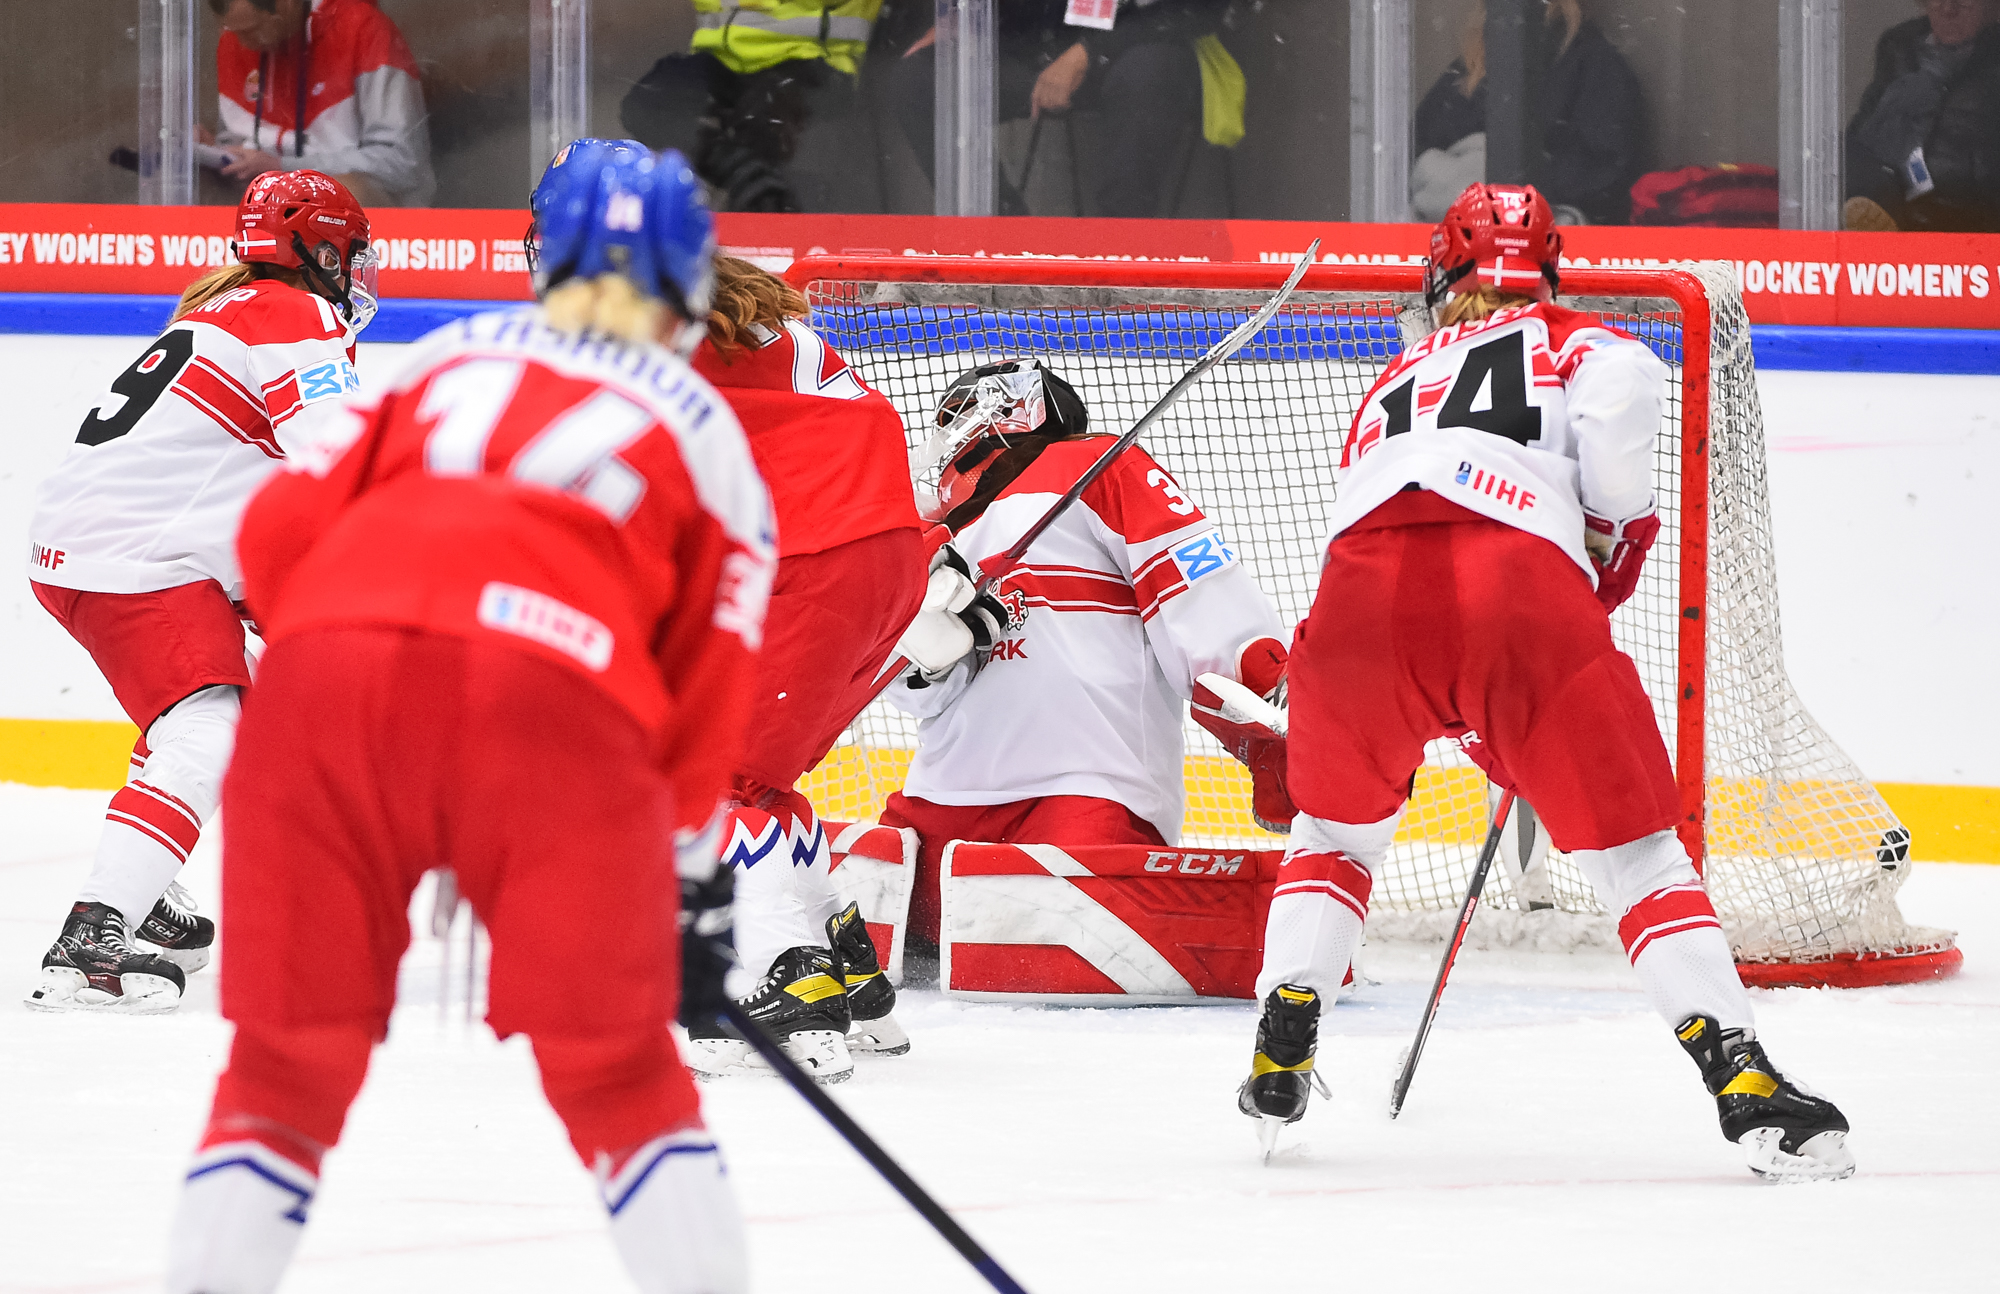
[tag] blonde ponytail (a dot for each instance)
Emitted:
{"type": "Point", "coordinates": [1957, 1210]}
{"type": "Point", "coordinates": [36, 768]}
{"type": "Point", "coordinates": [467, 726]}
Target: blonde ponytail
{"type": "Point", "coordinates": [1478, 304]}
{"type": "Point", "coordinates": [221, 279]}
{"type": "Point", "coordinates": [607, 304]}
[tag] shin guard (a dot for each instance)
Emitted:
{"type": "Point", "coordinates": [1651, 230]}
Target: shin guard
{"type": "Point", "coordinates": [1320, 903]}
{"type": "Point", "coordinates": [240, 1218]}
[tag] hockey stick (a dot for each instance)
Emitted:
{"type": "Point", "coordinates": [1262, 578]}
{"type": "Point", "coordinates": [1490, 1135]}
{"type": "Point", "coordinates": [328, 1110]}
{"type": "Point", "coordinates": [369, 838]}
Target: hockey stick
{"type": "Point", "coordinates": [843, 1123]}
{"type": "Point", "coordinates": [1471, 905]}
{"type": "Point", "coordinates": [997, 567]}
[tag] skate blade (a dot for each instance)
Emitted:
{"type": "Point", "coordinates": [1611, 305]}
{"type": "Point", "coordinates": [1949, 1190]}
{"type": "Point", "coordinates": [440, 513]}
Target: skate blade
{"type": "Point", "coordinates": [64, 988]}
{"type": "Point", "coordinates": [189, 960]}
{"type": "Point", "coordinates": [1824, 1158]}
{"type": "Point", "coordinates": [883, 1037]}
{"type": "Point", "coordinates": [821, 1053]}
{"type": "Point", "coordinates": [1268, 1128]}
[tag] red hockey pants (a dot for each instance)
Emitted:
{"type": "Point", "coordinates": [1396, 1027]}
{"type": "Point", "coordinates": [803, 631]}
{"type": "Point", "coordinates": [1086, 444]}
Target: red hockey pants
{"type": "Point", "coordinates": [1431, 620]}
{"type": "Point", "coordinates": [369, 755]}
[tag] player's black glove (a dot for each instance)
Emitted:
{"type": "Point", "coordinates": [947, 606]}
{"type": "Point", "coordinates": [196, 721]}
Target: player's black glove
{"type": "Point", "coordinates": [988, 617]}
{"type": "Point", "coordinates": [708, 944]}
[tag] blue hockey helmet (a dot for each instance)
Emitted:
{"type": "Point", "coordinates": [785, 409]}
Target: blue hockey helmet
{"type": "Point", "coordinates": [640, 217]}
{"type": "Point", "coordinates": [581, 155]}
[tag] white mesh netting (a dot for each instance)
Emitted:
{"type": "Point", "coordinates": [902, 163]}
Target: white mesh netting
{"type": "Point", "coordinates": [1803, 857]}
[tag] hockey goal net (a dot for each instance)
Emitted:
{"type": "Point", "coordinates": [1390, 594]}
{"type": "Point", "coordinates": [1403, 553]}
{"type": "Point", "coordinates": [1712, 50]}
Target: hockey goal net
{"type": "Point", "coordinates": [1801, 855]}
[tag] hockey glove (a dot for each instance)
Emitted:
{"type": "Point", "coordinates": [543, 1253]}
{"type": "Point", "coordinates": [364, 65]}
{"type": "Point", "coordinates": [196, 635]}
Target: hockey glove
{"type": "Point", "coordinates": [956, 620]}
{"type": "Point", "coordinates": [1618, 549]}
{"type": "Point", "coordinates": [1260, 667]}
{"type": "Point", "coordinates": [708, 944]}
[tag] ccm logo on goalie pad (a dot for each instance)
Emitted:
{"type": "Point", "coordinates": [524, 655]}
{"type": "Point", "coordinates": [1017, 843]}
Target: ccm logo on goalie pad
{"type": "Point", "coordinates": [542, 619]}
{"type": "Point", "coordinates": [327, 381]}
{"type": "Point", "coordinates": [1203, 556]}
{"type": "Point", "coordinates": [1194, 864]}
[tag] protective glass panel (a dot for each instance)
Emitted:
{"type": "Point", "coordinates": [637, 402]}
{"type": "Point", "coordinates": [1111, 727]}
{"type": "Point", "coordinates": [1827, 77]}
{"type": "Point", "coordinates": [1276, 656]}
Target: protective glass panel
{"type": "Point", "coordinates": [433, 113]}
{"type": "Point", "coordinates": [69, 93]}
{"type": "Point", "coordinates": [1622, 95]}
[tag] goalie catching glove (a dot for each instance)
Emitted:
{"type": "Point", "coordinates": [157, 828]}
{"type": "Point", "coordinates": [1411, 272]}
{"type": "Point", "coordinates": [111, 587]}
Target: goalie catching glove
{"type": "Point", "coordinates": [957, 620]}
{"type": "Point", "coordinates": [1618, 549]}
{"type": "Point", "coordinates": [1255, 741]}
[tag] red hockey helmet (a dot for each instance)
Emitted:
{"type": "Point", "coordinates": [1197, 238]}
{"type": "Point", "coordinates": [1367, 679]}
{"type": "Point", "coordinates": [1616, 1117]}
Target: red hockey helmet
{"type": "Point", "coordinates": [310, 222]}
{"type": "Point", "coordinates": [1506, 233]}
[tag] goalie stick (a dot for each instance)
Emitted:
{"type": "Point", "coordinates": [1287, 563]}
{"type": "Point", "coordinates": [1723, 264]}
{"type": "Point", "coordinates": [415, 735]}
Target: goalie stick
{"type": "Point", "coordinates": [1000, 565]}
{"type": "Point", "coordinates": [1241, 705]}
{"type": "Point", "coordinates": [865, 1145]}
{"type": "Point", "coordinates": [1465, 911]}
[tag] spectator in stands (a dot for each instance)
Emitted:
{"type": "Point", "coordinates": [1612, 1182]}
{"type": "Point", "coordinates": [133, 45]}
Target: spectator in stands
{"type": "Point", "coordinates": [1591, 123]}
{"type": "Point", "coordinates": [324, 85]}
{"type": "Point", "coordinates": [1923, 150]}
{"type": "Point", "coordinates": [1141, 72]}
{"type": "Point", "coordinates": [758, 73]}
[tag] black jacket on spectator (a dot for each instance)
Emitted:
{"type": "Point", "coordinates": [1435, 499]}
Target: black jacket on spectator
{"type": "Point", "coordinates": [1951, 108]}
{"type": "Point", "coordinates": [1592, 120]}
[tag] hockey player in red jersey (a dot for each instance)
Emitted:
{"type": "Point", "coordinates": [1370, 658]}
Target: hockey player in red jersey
{"type": "Point", "coordinates": [1051, 708]}
{"type": "Point", "coordinates": [851, 575]}
{"type": "Point", "coordinates": [132, 548]}
{"type": "Point", "coordinates": [1497, 506]}
{"type": "Point", "coordinates": [511, 629]}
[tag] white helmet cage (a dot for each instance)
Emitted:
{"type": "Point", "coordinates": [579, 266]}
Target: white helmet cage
{"type": "Point", "coordinates": [1004, 398]}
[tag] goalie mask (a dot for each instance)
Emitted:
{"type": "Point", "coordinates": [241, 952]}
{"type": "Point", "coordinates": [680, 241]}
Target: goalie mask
{"type": "Point", "coordinates": [985, 412]}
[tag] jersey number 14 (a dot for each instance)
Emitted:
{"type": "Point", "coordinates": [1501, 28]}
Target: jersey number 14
{"type": "Point", "coordinates": [1489, 393]}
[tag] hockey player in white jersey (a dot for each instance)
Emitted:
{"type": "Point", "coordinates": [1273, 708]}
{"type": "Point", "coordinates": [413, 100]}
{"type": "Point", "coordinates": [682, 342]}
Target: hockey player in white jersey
{"type": "Point", "coordinates": [1498, 505]}
{"type": "Point", "coordinates": [132, 549]}
{"type": "Point", "coordinates": [1051, 708]}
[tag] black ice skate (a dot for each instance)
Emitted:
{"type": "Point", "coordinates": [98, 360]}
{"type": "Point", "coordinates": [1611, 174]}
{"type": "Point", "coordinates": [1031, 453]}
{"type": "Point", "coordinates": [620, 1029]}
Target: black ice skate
{"type": "Point", "coordinates": [93, 966]}
{"type": "Point", "coordinates": [1789, 1134]}
{"type": "Point", "coordinates": [174, 929]}
{"type": "Point", "coordinates": [1281, 1071]}
{"type": "Point", "coordinates": [870, 996]}
{"type": "Point", "coordinates": [800, 1003]}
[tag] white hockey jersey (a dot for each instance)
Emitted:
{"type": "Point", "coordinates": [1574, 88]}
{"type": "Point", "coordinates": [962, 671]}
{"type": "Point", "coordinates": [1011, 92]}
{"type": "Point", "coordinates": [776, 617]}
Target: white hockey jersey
{"type": "Point", "coordinates": [1529, 416]}
{"type": "Point", "coordinates": [151, 494]}
{"type": "Point", "coordinates": [1131, 594]}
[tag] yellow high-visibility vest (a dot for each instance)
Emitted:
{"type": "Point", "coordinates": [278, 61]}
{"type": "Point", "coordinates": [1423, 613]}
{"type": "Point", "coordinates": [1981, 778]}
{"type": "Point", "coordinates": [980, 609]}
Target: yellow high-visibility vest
{"type": "Point", "coordinates": [751, 35]}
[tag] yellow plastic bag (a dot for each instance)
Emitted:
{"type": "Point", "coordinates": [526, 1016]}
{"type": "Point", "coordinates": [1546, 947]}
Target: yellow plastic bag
{"type": "Point", "coordinates": [1222, 93]}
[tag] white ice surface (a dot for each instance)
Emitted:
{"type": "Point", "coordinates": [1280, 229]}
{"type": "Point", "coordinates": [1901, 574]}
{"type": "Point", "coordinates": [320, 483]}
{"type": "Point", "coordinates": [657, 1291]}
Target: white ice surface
{"type": "Point", "coordinates": [1555, 1138]}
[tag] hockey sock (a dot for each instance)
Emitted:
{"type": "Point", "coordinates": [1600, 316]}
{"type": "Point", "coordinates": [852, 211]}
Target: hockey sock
{"type": "Point", "coordinates": [812, 878]}
{"type": "Point", "coordinates": [240, 1218]}
{"type": "Point", "coordinates": [614, 1092]}
{"type": "Point", "coordinates": [155, 819]}
{"type": "Point", "coordinates": [769, 915]}
{"type": "Point", "coordinates": [1320, 903]}
{"type": "Point", "coordinates": [1669, 929]}
{"type": "Point", "coordinates": [674, 1218]}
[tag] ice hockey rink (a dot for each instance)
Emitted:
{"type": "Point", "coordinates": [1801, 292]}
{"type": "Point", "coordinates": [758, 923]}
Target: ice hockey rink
{"type": "Point", "coordinates": [1556, 1137]}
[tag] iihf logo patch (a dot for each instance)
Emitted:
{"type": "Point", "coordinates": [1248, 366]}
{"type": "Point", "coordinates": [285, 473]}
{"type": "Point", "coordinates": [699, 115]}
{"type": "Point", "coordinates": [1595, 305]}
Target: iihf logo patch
{"type": "Point", "coordinates": [1203, 556]}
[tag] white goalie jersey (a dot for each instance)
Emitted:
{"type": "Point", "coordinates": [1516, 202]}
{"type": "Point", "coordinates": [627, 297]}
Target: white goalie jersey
{"type": "Point", "coordinates": [1130, 595]}
{"type": "Point", "coordinates": [1529, 416]}
{"type": "Point", "coordinates": [151, 494]}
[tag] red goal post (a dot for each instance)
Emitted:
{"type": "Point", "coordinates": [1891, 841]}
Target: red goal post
{"type": "Point", "coordinates": [1801, 853]}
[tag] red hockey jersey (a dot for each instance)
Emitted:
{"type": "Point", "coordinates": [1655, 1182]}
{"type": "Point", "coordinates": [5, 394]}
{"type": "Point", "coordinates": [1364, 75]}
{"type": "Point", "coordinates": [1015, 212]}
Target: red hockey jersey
{"type": "Point", "coordinates": [830, 447]}
{"type": "Point", "coordinates": [583, 500]}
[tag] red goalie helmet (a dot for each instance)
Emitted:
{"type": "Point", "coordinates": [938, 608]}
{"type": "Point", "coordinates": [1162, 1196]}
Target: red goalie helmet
{"type": "Point", "coordinates": [287, 218]}
{"type": "Point", "coordinates": [1505, 234]}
